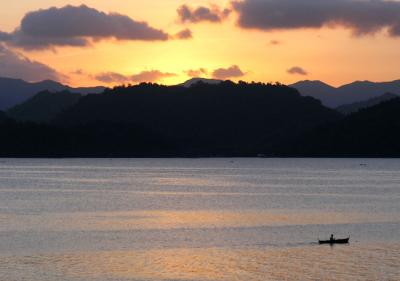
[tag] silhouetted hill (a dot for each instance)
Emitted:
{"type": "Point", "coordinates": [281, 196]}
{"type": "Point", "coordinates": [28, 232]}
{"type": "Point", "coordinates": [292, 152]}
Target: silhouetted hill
{"type": "Point", "coordinates": [371, 88]}
{"type": "Point", "coordinates": [44, 106]}
{"type": "Point", "coordinates": [222, 119]}
{"type": "Point", "coordinates": [16, 91]}
{"type": "Point", "coordinates": [151, 120]}
{"type": "Point", "coordinates": [346, 94]}
{"type": "Point", "coordinates": [354, 107]}
{"type": "Point", "coordinates": [372, 132]}
{"type": "Point", "coordinates": [227, 119]}
{"type": "Point", "coordinates": [194, 81]}
{"type": "Point", "coordinates": [316, 89]}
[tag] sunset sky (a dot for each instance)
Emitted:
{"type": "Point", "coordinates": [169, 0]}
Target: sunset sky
{"type": "Point", "coordinates": [106, 42]}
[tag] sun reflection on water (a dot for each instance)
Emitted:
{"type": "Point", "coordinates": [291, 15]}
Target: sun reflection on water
{"type": "Point", "coordinates": [169, 219]}
{"type": "Point", "coordinates": [299, 263]}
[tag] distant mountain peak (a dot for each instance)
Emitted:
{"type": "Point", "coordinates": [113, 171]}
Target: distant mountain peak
{"type": "Point", "coordinates": [15, 91]}
{"type": "Point", "coordinates": [312, 83]}
{"type": "Point", "coordinates": [355, 92]}
{"type": "Point", "coordinates": [196, 80]}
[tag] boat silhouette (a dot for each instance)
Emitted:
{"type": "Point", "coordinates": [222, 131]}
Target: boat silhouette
{"type": "Point", "coordinates": [335, 241]}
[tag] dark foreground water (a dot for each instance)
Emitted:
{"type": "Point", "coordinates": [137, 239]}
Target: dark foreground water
{"type": "Point", "coordinates": [199, 219]}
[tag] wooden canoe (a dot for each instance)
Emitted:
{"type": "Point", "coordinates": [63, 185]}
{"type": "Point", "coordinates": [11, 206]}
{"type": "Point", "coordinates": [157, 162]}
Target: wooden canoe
{"type": "Point", "coordinates": [335, 241]}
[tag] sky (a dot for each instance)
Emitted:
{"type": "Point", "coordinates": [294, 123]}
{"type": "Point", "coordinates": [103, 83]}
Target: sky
{"type": "Point", "coordinates": [103, 42]}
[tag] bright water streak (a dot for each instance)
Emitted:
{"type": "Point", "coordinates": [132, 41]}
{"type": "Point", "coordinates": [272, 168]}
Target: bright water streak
{"type": "Point", "coordinates": [198, 219]}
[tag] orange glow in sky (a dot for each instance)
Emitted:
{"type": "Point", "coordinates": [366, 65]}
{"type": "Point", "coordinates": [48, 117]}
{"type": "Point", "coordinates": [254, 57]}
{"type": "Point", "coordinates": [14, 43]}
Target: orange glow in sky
{"type": "Point", "coordinates": [331, 53]}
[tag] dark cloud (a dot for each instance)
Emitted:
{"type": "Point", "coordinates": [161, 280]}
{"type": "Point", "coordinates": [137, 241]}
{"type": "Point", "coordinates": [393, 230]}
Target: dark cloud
{"type": "Point", "coordinates": [144, 76]}
{"type": "Point", "coordinates": [225, 73]}
{"type": "Point", "coordinates": [201, 14]}
{"type": "Point", "coordinates": [184, 34]}
{"type": "Point", "coordinates": [362, 17]}
{"type": "Point", "coordinates": [77, 26]}
{"type": "Point", "coordinates": [16, 65]}
{"type": "Point", "coordinates": [4, 36]}
{"type": "Point", "coordinates": [196, 72]}
{"type": "Point", "coordinates": [297, 70]}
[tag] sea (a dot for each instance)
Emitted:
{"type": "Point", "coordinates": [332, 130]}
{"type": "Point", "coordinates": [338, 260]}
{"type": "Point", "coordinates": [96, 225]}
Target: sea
{"type": "Point", "coordinates": [199, 219]}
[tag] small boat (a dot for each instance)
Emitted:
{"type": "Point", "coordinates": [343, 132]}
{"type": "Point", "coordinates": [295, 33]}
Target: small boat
{"type": "Point", "coordinates": [335, 241]}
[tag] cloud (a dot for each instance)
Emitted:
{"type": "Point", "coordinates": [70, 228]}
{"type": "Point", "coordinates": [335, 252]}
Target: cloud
{"type": "Point", "coordinates": [275, 42]}
{"type": "Point", "coordinates": [361, 17]}
{"type": "Point", "coordinates": [144, 76]}
{"type": "Point", "coordinates": [196, 72]}
{"type": "Point", "coordinates": [184, 34]}
{"type": "Point", "coordinates": [4, 36]}
{"type": "Point", "coordinates": [296, 70]}
{"type": "Point", "coordinates": [77, 26]}
{"type": "Point", "coordinates": [14, 65]}
{"type": "Point", "coordinates": [112, 77]}
{"type": "Point", "coordinates": [202, 14]}
{"type": "Point", "coordinates": [225, 73]}
{"type": "Point", "coordinates": [151, 76]}
{"type": "Point", "coordinates": [78, 71]}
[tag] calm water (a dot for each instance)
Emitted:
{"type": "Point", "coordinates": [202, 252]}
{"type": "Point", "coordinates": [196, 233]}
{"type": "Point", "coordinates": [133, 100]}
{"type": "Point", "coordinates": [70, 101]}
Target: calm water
{"type": "Point", "coordinates": [198, 219]}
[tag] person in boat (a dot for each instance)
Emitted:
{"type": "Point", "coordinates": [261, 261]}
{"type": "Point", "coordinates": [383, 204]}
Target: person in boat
{"type": "Point", "coordinates": [332, 237]}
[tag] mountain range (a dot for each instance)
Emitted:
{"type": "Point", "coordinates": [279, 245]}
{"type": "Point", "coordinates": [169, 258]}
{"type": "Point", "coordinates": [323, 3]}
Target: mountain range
{"type": "Point", "coordinates": [347, 94]}
{"type": "Point", "coordinates": [202, 120]}
{"type": "Point", "coordinates": [333, 97]}
{"type": "Point", "coordinates": [16, 91]}
{"type": "Point", "coordinates": [224, 119]}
